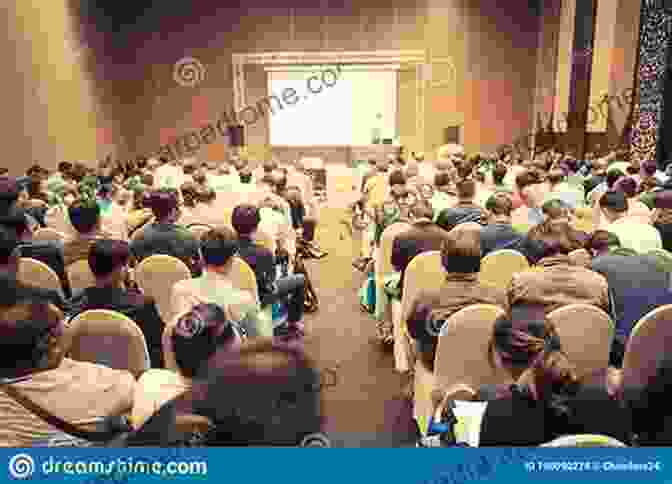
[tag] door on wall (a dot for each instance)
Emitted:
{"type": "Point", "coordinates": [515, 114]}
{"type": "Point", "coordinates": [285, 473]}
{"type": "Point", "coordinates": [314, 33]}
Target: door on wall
{"type": "Point", "coordinates": [408, 109]}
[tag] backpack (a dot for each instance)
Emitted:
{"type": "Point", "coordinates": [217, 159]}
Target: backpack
{"type": "Point", "coordinates": [367, 295]}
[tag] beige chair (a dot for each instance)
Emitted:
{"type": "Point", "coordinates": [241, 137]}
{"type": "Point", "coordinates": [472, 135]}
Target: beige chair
{"type": "Point", "coordinates": [461, 357]}
{"type": "Point", "coordinates": [198, 230]}
{"type": "Point", "coordinates": [48, 235]}
{"type": "Point", "coordinates": [383, 266]}
{"type": "Point", "coordinates": [585, 440]}
{"type": "Point", "coordinates": [245, 280]}
{"type": "Point", "coordinates": [156, 276]}
{"type": "Point", "coordinates": [108, 338]}
{"type": "Point", "coordinates": [586, 333]}
{"type": "Point", "coordinates": [580, 257]}
{"type": "Point", "coordinates": [650, 338]}
{"type": "Point", "coordinates": [424, 272]}
{"type": "Point", "coordinates": [498, 268]}
{"type": "Point", "coordinates": [80, 275]}
{"type": "Point", "coordinates": [38, 274]}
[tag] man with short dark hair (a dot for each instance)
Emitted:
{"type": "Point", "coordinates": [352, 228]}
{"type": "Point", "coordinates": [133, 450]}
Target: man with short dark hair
{"type": "Point", "coordinates": [219, 246]}
{"type": "Point", "coordinates": [630, 231]}
{"type": "Point", "coordinates": [500, 234]}
{"type": "Point", "coordinates": [465, 210]}
{"type": "Point", "coordinates": [108, 260]}
{"type": "Point", "coordinates": [48, 252]}
{"type": "Point", "coordinates": [10, 253]}
{"type": "Point", "coordinates": [164, 236]}
{"type": "Point", "coordinates": [85, 218]}
{"type": "Point", "coordinates": [245, 220]}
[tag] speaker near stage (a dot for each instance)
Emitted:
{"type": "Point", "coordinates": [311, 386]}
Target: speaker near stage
{"type": "Point", "coordinates": [237, 135]}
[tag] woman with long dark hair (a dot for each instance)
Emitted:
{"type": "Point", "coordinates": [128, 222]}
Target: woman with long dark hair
{"type": "Point", "coordinates": [548, 398]}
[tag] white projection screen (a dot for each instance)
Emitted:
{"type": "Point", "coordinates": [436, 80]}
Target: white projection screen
{"type": "Point", "coordinates": [360, 105]}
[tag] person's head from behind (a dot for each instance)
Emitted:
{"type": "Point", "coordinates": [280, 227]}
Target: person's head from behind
{"type": "Point", "coordinates": [499, 207]}
{"type": "Point", "coordinates": [556, 176]}
{"type": "Point", "coordinates": [466, 190]}
{"type": "Point", "coordinates": [648, 401]}
{"type": "Point", "coordinates": [556, 216]}
{"type": "Point", "coordinates": [269, 167]}
{"type": "Point", "coordinates": [18, 223]}
{"type": "Point", "coordinates": [412, 169]}
{"type": "Point", "coordinates": [30, 333]}
{"type": "Point", "coordinates": [165, 205]}
{"type": "Point", "coordinates": [602, 242]}
{"type": "Point", "coordinates": [245, 220]}
{"type": "Point", "coordinates": [613, 176]}
{"type": "Point", "coordinates": [9, 251]}
{"type": "Point", "coordinates": [442, 182]}
{"type": "Point", "coordinates": [649, 168]}
{"type": "Point", "coordinates": [189, 194]}
{"type": "Point", "coordinates": [65, 168]}
{"type": "Point", "coordinates": [108, 260]}
{"type": "Point", "coordinates": [628, 186]}
{"type": "Point", "coordinates": [526, 178]}
{"type": "Point", "coordinates": [84, 216]}
{"type": "Point", "coordinates": [530, 350]}
{"type": "Point", "coordinates": [280, 181]}
{"type": "Point", "coordinates": [200, 332]}
{"type": "Point", "coordinates": [262, 395]}
{"type": "Point", "coordinates": [9, 193]}
{"type": "Point", "coordinates": [461, 252]}
{"type": "Point", "coordinates": [397, 183]}
{"type": "Point", "coordinates": [422, 211]}
{"type": "Point", "coordinates": [613, 205]}
{"type": "Point", "coordinates": [244, 172]}
{"type": "Point", "coordinates": [218, 247]}
{"type": "Point", "coordinates": [499, 173]}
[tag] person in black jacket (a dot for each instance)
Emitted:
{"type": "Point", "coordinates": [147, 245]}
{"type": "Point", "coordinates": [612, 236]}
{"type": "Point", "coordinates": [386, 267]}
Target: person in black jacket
{"type": "Point", "coordinates": [10, 288]}
{"type": "Point", "coordinates": [292, 288]}
{"type": "Point", "coordinates": [108, 260]}
{"type": "Point", "coordinates": [547, 400]}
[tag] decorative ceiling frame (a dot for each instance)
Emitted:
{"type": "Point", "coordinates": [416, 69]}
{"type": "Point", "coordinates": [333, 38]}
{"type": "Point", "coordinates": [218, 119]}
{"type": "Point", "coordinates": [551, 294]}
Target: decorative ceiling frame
{"type": "Point", "coordinates": [403, 58]}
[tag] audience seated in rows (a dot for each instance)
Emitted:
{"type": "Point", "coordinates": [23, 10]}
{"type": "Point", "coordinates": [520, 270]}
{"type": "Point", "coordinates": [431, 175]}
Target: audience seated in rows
{"type": "Point", "coordinates": [108, 260]}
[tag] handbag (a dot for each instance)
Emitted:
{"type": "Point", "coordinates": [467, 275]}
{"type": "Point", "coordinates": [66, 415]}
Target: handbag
{"type": "Point", "coordinates": [111, 427]}
{"type": "Point", "coordinates": [310, 303]}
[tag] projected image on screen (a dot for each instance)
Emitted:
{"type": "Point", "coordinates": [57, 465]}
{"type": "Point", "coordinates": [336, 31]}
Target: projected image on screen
{"type": "Point", "coordinates": [356, 109]}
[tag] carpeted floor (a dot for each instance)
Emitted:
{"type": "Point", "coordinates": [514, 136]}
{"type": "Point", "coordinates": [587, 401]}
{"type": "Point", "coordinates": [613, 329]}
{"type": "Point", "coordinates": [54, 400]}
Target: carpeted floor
{"type": "Point", "coordinates": [365, 408]}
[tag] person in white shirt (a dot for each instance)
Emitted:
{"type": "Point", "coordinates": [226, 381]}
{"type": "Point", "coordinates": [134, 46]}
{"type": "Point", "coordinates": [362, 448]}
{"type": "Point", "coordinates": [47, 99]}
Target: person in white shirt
{"type": "Point", "coordinates": [169, 175]}
{"type": "Point", "coordinates": [216, 285]}
{"type": "Point", "coordinates": [632, 233]}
